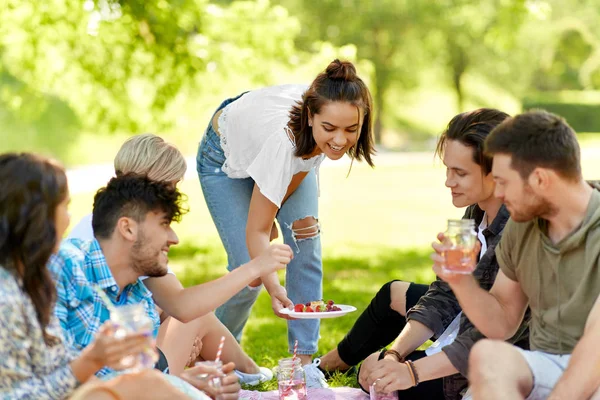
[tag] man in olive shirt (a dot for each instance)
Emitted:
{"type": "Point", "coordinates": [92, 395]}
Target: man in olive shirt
{"type": "Point", "coordinates": [548, 258]}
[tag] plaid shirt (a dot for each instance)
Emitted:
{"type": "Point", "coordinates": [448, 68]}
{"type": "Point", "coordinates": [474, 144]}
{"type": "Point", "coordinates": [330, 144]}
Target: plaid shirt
{"type": "Point", "coordinates": [77, 268]}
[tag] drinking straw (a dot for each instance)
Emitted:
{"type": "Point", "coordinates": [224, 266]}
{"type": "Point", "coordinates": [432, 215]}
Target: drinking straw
{"type": "Point", "coordinates": [220, 349]}
{"type": "Point", "coordinates": [294, 360]}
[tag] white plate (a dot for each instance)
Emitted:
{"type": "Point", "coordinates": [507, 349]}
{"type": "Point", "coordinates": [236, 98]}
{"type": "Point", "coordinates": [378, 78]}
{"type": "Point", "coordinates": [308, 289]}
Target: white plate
{"type": "Point", "coordinates": [318, 315]}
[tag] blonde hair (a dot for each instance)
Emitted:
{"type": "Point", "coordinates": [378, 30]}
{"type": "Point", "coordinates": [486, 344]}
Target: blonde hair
{"type": "Point", "coordinates": [150, 155]}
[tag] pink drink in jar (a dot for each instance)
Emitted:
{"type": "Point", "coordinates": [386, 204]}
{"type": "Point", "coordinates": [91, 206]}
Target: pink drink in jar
{"type": "Point", "coordinates": [291, 379]}
{"type": "Point", "coordinates": [375, 395]}
{"type": "Point", "coordinates": [459, 243]}
{"type": "Point", "coordinates": [292, 390]}
{"type": "Point", "coordinates": [459, 260]}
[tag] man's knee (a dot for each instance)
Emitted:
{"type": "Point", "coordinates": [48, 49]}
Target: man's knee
{"type": "Point", "coordinates": [306, 228]}
{"type": "Point", "coordinates": [495, 361]}
{"type": "Point", "coordinates": [481, 354]}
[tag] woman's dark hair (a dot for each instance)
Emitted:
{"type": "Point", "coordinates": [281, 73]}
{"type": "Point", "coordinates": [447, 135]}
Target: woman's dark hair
{"type": "Point", "coordinates": [340, 83]}
{"type": "Point", "coordinates": [32, 189]}
{"type": "Point", "coordinates": [470, 129]}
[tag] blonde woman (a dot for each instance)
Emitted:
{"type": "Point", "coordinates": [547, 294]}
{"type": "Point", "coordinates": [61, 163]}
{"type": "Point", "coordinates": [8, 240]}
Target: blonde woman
{"type": "Point", "coordinates": [189, 330]}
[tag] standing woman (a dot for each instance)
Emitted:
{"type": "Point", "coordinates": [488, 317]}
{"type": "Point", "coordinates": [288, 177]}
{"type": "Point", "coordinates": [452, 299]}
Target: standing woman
{"type": "Point", "coordinates": [259, 160]}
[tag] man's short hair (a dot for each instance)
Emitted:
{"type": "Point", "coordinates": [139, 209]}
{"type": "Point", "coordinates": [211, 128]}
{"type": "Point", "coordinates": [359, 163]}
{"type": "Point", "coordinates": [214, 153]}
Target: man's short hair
{"type": "Point", "coordinates": [537, 139]}
{"type": "Point", "coordinates": [133, 196]}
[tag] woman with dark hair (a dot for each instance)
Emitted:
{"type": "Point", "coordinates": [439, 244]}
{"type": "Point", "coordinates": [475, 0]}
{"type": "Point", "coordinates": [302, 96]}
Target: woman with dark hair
{"type": "Point", "coordinates": [259, 160]}
{"type": "Point", "coordinates": [413, 313]}
{"type": "Point", "coordinates": [34, 360]}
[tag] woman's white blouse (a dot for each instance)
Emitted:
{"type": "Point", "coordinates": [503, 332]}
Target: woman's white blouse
{"type": "Point", "coordinates": [255, 142]}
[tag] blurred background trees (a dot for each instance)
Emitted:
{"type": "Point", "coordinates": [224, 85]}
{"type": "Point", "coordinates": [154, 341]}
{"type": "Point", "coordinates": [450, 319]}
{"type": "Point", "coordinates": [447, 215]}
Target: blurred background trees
{"type": "Point", "coordinates": [78, 75]}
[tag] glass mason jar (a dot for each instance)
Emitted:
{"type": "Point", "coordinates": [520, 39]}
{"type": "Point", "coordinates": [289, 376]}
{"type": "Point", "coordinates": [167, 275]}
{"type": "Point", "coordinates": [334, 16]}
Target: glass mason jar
{"type": "Point", "coordinates": [128, 319]}
{"type": "Point", "coordinates": [459, 246]}
{"type": "Point", "coordinates": [291, 380]}
{"type": "Point", "coordinates": [375, 395]}
{"type": "Point", "coordinates": [214, 380]}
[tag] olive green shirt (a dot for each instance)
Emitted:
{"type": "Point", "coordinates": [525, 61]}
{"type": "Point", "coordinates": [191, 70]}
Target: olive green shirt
{"type": "Point", "coordinates": [561, 281]}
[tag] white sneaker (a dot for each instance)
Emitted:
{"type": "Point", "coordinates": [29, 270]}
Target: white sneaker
{"type": "Point", "coordinates": [314, 376]}
{"type": "Point", "coordinates": [264, 375]}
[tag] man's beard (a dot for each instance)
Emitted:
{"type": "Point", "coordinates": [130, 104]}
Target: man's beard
{"type": "Point", "coordinates": [144, 261]}
{"type": "Point", "coordinates": [535, 207]}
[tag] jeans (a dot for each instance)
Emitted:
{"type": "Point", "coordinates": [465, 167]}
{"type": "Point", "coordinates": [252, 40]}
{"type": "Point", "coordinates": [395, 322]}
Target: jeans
{"type": "Point", "coordinates": [228, 201]}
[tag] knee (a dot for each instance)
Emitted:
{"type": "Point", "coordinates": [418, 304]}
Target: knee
{"type": "Point", "coordinates": [480, 356]}
{"type": "Point", "coordinates": [398, 291]}
{"type": "Point", "coordinates": [305, 228]}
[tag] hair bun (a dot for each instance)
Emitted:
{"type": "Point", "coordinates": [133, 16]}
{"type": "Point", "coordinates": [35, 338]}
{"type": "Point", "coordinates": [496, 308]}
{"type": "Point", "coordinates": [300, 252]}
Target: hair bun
{"type": "Point", "coordinates": [341, 70]}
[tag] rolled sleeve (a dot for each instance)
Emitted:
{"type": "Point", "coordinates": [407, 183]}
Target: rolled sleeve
{"type": "Point", "coordinates": [458, 351]}
{"type": "Point", "coordinates": [437, 308]}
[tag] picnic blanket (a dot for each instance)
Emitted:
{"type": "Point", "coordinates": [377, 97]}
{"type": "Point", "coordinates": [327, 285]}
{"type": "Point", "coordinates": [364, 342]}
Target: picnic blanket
{"type": "Point", "coordinates": [338, 393]}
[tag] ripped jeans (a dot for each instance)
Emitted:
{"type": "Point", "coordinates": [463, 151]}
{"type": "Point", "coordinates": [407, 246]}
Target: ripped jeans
{"type": "Point", "coordinates": [228, 201]}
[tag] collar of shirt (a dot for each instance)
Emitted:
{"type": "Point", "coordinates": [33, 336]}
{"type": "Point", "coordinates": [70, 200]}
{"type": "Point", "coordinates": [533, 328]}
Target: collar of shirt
{"type": "Point", "coordinates": [497, 224]}
{"type": "Point", "coordinates": [87, 309]}
{"type": "Point", "coordinates": [98, 271]}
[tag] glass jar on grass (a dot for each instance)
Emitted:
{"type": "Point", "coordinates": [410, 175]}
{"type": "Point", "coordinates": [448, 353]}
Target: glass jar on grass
{"type": "Point", "coordinates": [459, 246]}
{"type": "Point", "coordinates": [291, 379]}
{"type": "Point", "coordinates": [130, 319]}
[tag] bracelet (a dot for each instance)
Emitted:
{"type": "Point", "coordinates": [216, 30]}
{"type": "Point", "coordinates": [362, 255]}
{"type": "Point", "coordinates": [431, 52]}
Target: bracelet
{"type": "Point", "coordinates": [395, 354]}
{"type": "Point", "coordinates": [413, 372]}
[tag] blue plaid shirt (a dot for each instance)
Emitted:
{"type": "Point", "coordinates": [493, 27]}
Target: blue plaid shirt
{"type": "Point", "coordinates": [78, 266]}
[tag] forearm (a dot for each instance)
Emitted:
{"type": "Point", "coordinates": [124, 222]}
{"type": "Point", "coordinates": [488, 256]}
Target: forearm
{"type": "Point", "coordinates": [434, 367]}
{"type": "Point", "coordinates": [193, 302]}
{"type": "Point", "coordinates": [581, 378]}
{"type": "Point", "coordinates": [483, 310]}
{"type": "Point", "coordinates": [83, 368]}
{"type": "Point", "coordinates": [258, 242]}
{"type": "Point", "coordinates": [412, 336]}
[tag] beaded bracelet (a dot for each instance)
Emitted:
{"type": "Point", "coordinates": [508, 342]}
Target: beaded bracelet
{"type": "Point", "coordinates": [395, 354]}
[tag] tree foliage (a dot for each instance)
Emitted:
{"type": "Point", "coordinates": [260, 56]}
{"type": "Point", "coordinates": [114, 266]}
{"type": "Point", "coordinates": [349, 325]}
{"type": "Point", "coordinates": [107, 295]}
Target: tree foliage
{"type": "Point", "coordinates": [119, 64]}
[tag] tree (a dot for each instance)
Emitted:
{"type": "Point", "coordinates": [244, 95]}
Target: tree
{"type": "Point", "coordinates": [570, 56]}
{"type": "Point", "coordinates": [480, 37]}
{"type": "Point", "coordinates": [120, 64]}
{"type": "Point", "coordinates": [385, 32]}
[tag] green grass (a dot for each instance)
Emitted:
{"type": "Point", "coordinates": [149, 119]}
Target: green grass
{"type": "Point", "coordinates": [377, 225]}
{"type": "Point", "coordinates": [372, 222]}
{"type": "Point", "coordinates": [348, 279]}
